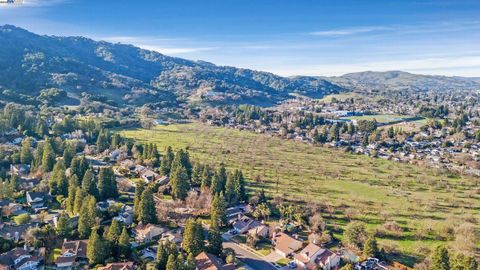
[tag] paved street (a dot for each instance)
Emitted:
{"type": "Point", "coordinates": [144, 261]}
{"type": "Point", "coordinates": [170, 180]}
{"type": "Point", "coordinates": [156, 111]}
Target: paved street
{"type": "Point", "coordinates": [251, 259]}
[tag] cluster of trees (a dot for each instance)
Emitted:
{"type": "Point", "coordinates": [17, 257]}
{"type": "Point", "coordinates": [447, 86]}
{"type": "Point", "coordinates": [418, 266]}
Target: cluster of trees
{"type": "Point", "coordinates": [144, 205]}
{"type": "Point", "coordinates": [115, 242]}
{"type": "Point", "coordinates": [442, 259]}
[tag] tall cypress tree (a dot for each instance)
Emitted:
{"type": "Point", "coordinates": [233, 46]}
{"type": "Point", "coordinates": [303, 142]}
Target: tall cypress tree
{"type": "Point", "coordinates": [48, 157]}
{"type": "Point", "coordinates": [166, 164]}
{"type": "Point", "coordinates": [107, 186]}
{"type": "Point", "coordinates": [240, 186]}
{"type": "Point", "coordinates": [215, 241]}
{"type": "Point", "coordinates": [440, 259]}
{"type": "Point", "coordinates": [88, 183]}
{"type": "Point", "coordinates": [180, 183]}
{"type": "Point", "coordinates": [230, 195]}
{"type": "Point", "coordinates": [139, 188]}
{"type": "Point", "coordinates": [80, 195]}
{"type": "Point", "coordinates": [96, 250]}
{"type": "Point", "coordinates": [162, 255]}
{"type": "Point", "coordinates": [87, 217]}
{"type": "Point", "coordinates": [26, 156]}
{"type": "Point", "coordinates": [172, 263]}
{"type": "Point", "coordinates": [72, 189]}
{"type": "Point", "coordinates": [148, 213]}
{"type": "Point", "coordinates": [68, 153]}
{"type": "Point", "coordinates": [124, 243]}
{"type": "Point", "coordinates": [193, 237]}
{"type": "Point", "coordinates": [58, 182]}
{"type": "Point", "coordinates": [218, 215]}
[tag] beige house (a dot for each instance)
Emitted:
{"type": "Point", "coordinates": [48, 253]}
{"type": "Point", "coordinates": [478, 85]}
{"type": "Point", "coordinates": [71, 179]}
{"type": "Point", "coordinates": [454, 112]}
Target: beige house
{"type": "Point", "coordinates": [147, 233]}
{"type": "Point", "coordinates": [313, 256]}
{"type": "Point", "coordinates": [285, 245]}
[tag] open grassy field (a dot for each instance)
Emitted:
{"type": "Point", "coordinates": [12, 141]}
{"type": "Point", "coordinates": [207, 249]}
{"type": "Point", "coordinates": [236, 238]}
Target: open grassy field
{"type": "Point", "coordinates": [424, 202]}
{"type": "Point", "coordinates": [381, 118]}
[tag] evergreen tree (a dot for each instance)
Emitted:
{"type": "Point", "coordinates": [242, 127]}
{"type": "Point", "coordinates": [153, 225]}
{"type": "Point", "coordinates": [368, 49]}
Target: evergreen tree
{"type": "Point", "coordinates": [206, 177]}
{"type": "Point", "coordinates": [116, 140]}
{"type": "Point", "coordinates": [440, 259]}
{"type": "Point", "coordinates": [162, 255]}
{"type": "Point", "coordinates": [124, 243]}
{"type": "Point", "coordinates": [72, 189]}
{"type": "Point", "coordinates": [80, 195]}
{"type": "Point", "coordinates": [240, 186]}
{"type": "Point", "coordinates": [139, 188]}
{"type": "Point", "coordinates": [48, 157]}
{"type": "Point", "coordinates": [215, 241]}
{"type": "Point", "coordinates": [190, 264]}
{"type": "Point", "coordinates": [58, 182]}
{"type": "Point", "coordinates": [68, 153]}
{"type": "Point", "coordinates": [87, 217]}
{"type": "Point", "coordinates": [180, 183]}
{"type": "Point", "coordinates": [370, 248]}
{"type": "Point", "coordinates": [147, 212]}
{"type": "Point", "coordinates": [64, 228]}
{"type": "Point", "coordinates": [96, 250]}
{"type": "Point", "coordinates": [114, 231]}
{"type": "Point", "coordinates": [197, 174]}
{"type": "Point", "coordinates": [167, 161]}
{"type": "Point", "coordinates": [219, 179]}
{"type": "Point", "coordinates": [193, 237]}
{"type": "Point", "coordinates": [218, 215]}
{"type": "Point", "coordinates": [88, 183]}
{"type": "Point", "coordinates": [107, 185]}
{"type": "Point", "coordinates": [180, 262]}
{"type": "Point", "coordinates": [102, 141]}
{"type": "Point", "coordinates": [230, 194]}
{"type": "Point", "coordinates": [26, 156]}
{"type": "Point", "coordinates": [172, 263]}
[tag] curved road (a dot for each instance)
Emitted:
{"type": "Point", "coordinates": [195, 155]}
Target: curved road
{"type": "Point", "coordinates": [249, 258]}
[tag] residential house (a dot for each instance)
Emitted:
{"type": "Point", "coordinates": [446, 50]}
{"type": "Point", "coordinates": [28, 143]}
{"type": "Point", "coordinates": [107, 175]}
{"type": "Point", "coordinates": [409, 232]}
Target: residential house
{"type": "Point", "coordinates": [20, 169]}
{"type": "Point", "coordinates": [149, 176]}
{"type": "Point", "coordinates": [313, 256]}
{"type": "Point", "coordinates": [173, 236]}
{"type": "Point", "coordinates": [13, 231]}
{"type": "Point", "coordinates": [19, 259]}
{"type": "Point", "coordinates": [147, 233]}
{"type": "Point", "coordinates": [37, 200]}
{"type": "Point", "coordinates": [125, 215]}
{"type": "Point", "coordinates": [285, 245]}
{"type": "Point", "coordinates": [252, 226]}
{"type": "Point", "coordinates": [28, 183]}
{"type": "Point", "coordinates": [207, 261]}
{"type": "Point", "coordinates": [74, 253]}
{"type": "Point", "coordinates": [118, 266]}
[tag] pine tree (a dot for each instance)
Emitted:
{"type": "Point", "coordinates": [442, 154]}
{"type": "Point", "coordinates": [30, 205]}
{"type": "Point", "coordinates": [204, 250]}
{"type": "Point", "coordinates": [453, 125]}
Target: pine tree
{"type": "Point", "coordinates": [218, 215]}
{"type": "Point", "coordinates": [26, 156]}
{"type": "Point", "coordinates": [48, 157]}
{"type": "Point", "coordinates": [96, 252]}
{"type": "Point", "coordinates": [230, 194]}
{"type": "Point", "coordinates": [180, 262]}
{"type": "Point", "coordinates": [68, 153]}
{"type": "Point", "coordinates": [206, 177]}
{"type": "Point", "coordinates": [162, 255]}
{"type": "Point", "coordinates": [240, 186]}
{"type": "Point", "coordinates": [114, 231]}
{"type": "Point", "coordinates": [88, 183]}
{"type": "Point", "coordinates": [58, 182]}
{"type": "Point", "coordinates": [80, 194]}
{"type": "Point", "coordinates": [171, 263]}
{"type": "Point", "coordinates": [147, 212]}
{"type": "Point", "coordinates": [116, 140]}
{"type": "Point", "coordinates": [440, 259]}
{"type": "Point", "coordinates": [107, 185]}
{"type": "Point", "coordinates": [370, 248]}
{"type": "Point", "coordinates": [124, 243]}
{"type": "Point", "coordinates": [87, 217]}
{"type": "Point", "coordinates": [167, 161]}
{"type": "Point", "coordinates": [139, 188]}
{"type": "Point", "coordinates": [180, 183]}
{"type": "Point", "coordinates": [193, 237]}
{"type": "Point", "coordinates": [219, 180]}
{"type": "Point", "coordinates": [102, 141]}
{"type": "Point", "coordinates": [64, 228]}
{"type": "Point", "coordinates": [72, 189]}
{"type": "Point", "coordinates": [215, 241]}
{"type": "Point", "coordinates": [190, 264]}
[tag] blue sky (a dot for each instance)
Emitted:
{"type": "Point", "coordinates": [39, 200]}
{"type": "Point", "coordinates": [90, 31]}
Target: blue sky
{"type": "Point", "coordinates": [297, 37]}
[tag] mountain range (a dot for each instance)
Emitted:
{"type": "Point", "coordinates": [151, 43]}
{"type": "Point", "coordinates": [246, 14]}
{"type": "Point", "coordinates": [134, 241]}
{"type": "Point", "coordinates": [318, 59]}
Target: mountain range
{"type": "Point", "coordinates": [125, 74]}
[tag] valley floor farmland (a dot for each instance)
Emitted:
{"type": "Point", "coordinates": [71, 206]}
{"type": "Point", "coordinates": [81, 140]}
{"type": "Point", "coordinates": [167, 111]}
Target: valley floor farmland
{"type": "Point", "coordinates": [425, 204]}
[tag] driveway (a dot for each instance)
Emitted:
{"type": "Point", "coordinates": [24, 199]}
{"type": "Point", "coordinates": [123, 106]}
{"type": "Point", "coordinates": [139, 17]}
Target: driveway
{"type": "Point", "coordinates": [251, 259]}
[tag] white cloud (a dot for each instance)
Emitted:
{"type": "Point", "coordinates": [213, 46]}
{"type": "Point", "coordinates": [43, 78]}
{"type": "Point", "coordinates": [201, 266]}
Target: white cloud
{"type": "Point", "coordinates": [160, 44]}
{"type": "Point", "coordinates": [350, 31]}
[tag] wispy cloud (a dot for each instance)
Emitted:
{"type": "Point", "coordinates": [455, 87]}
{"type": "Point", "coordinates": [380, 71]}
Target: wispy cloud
{"type": "Point", "coordinates": [350, 31]}
{"type": "Point", "coordinates": [163, 45]}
